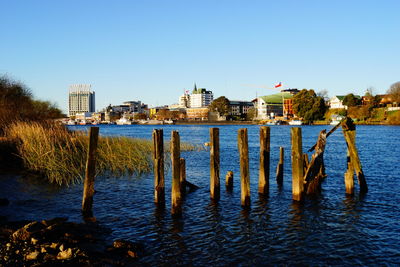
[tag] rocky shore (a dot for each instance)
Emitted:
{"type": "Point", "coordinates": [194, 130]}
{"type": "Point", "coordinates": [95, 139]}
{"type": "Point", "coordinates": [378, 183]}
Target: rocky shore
{"type": "Point", "coordinates": [57, 242]}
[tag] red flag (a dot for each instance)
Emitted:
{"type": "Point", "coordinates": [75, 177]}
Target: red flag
{"type": "Point", "coordinates": [278, 84]}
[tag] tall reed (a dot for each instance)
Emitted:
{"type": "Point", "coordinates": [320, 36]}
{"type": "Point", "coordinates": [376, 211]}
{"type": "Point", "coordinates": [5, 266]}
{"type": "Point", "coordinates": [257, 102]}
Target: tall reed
{"type": "Point", "coordinates": [60, 155]}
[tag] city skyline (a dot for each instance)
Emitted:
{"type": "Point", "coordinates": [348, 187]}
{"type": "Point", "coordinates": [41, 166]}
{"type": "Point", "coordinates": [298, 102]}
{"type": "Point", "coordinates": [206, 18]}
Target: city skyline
{"type": "Point", "coordinates": [153, 51]}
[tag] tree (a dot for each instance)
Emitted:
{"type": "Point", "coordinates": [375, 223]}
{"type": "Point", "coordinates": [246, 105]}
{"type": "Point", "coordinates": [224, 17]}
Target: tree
{"type": "Point", "coordinates": [251, 112]}
{"type": "Point", "coordinates": [394, 92]}
{"type": "Point", "coordinates": [309, 106]}
{"type": "Point", "coordinates": [17, 104]}
{"type": "Point", "coordinates": [351, 101]}
{"type": "Point", "coordinates": [220, 105]}
{"type": "Point", "coordinates": [323, 94]}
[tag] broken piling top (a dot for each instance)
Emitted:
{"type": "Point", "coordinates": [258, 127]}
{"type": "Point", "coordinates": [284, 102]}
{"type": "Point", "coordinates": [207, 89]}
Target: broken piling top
{"type": "Point", "coordinates": [348, 124]}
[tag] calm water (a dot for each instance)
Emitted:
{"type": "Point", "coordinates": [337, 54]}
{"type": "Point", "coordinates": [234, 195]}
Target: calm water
{"type": "Point", "coordinates": [334, 229]}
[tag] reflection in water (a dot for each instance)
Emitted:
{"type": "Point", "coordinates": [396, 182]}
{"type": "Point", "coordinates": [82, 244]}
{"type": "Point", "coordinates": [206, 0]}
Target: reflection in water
{"type": "Point", "coordinates": [296, 216]}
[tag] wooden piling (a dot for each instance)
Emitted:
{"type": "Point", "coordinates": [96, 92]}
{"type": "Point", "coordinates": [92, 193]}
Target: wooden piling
{"type": "Point", "coordinates": [214, 164]}
{"type": "Point", "coordinates": [88, 187]}
{"type": "Point", "coordinates": [349, 176]}
{"type": "Point", "coordinates": [176, 208]}
{"type": "Point", "coordinates": [182, 170]}
{"type": "Point", "coordinates": [297, 164]}
{"type": "Point", "coordinates": [158, 159]}
{"type": "Point", "coordinates": [263, 180]}
{"type": "Point", "coordinates": [244, 167]}
{"type": "Point", "coordinates": [229, 180]}
{"type": "Point", "coordinates": [315, 172]}
{"type": "Point", "coordinates": [279, 168]}
{"type": "Point", "coordinates": [349, 132]}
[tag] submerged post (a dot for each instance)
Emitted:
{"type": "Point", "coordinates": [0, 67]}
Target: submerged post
{"type": "Point", "coordinates": [229, 180]}
{"type": "Point", "coordinates": [349, 132]}
{"type": "Point", "coordinates": [297, 164]}
{"type": "Point", "coordinates": [176, 208]}
{"type": "Point", "coordinates": [214, 164]}
{"type": "Point", "coordinates": [182, 180]}
{"type": "Point", "coordinates": [279, 168]}
{"type": "Point", "coordinates": [158, 159]}
{"type": "Point", "coordinates": [88, 187]}
{"type": "Point", "coordinates": [244, 167]}
{"type": "Point", "coordinates": [263, 180]}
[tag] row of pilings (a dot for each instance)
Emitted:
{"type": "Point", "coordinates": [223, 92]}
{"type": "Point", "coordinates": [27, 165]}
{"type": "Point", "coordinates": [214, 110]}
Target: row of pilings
{"type": "Point", "coordinates": [304, 181]}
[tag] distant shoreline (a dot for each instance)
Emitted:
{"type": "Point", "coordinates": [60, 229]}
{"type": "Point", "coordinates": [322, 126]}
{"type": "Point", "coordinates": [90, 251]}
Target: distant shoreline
{"type": "Point", "coordinates": [215, 122]}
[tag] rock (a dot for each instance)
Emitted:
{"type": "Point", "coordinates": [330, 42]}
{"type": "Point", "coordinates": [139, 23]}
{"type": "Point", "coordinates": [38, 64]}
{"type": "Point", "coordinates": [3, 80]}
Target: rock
{"type": "Point", "coordinates": [119, 243]}
{"type": "Point", "coordinates": [34, 241]}
{"type": "Point", "coordinates": [4, 202]}
{"type": "Point", "coordinates": [64, 255]}
{"type": "Point", "coordinates": [25, 232]}
{"type": "Point", "coordinates": [57, 220]}
{"type": "Point", "coordinates": [32, 256]}
{"type": "Point", "coordinates": [132, 254]}
{"type": "Point", "coordinates": [49, 257]}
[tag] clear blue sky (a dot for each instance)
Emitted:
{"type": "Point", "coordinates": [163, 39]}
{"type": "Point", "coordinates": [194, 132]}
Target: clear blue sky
{"type": "Point", "coordinates": [153, 50]}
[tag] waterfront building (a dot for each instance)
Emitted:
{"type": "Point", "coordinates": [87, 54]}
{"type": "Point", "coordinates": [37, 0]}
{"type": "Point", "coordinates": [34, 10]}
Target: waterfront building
{"type": "Point", "coordinates": [128, 107]}
{"type": "Point", "coordinates": [201, 98]}
{"type": "Point", "coordinates": [81, 99]}
{"type": "Point", "coordinates": [280, 104]}
{"type": "Point", "coordinates": [271, 106]}
{"type": "Point", "coordinates": [184, 100]}
{"type": "Point", "coordinates": [197, 114]}
{"type": "Point", "coordinates": [239, 108]}
{"type": "Point", "coordinates": [336, 102]}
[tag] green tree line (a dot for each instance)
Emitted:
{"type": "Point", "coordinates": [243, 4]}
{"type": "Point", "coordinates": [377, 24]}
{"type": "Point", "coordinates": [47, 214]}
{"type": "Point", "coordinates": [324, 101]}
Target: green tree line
{"type": "Point", "coordinates": [18, 104]}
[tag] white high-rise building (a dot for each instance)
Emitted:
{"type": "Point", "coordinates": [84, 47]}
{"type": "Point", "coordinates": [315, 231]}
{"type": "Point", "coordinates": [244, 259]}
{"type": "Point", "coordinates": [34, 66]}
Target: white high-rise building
{"type": "Point", "coordinates": [81, 99]}
{"type": "Point", "coordinates": [184, 101]}
{"type": "Point", "coordinates": [199, 98]}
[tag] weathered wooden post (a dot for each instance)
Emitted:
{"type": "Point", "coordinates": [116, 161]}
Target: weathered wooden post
{"type": "Point", "coordinates": [349, 132]}
{"type": "Point", "coordinates": [279, 168]}
{"type": "Point", "coordinates": [88, 187]}
{"type": "Point", "coordinates": [229, 180]}
{"type": "Point", "coordinates": [315, 172]}
{"type": "Point", "coordinates": [214, 164]}
{"type": "Point", "coordinates": [158, 159]}
{"type": "Point", "coordinates": [244, 167]}
{"type": "Point", "coordinates": [297, 164]}
{"type": "Point", "coordinates": [263, 180]}
{"type": "Point", "coordinates": [182, 169]}
{"type": "Point", "coordinates": [176, 208]}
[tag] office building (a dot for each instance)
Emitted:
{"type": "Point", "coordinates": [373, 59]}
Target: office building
{"type": "Point", "coordinates": [81, 99]}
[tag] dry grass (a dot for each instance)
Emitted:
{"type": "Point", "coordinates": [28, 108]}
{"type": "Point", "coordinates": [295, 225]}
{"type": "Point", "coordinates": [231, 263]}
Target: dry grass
{"type": "Point", "coordinates": [60, 155]}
